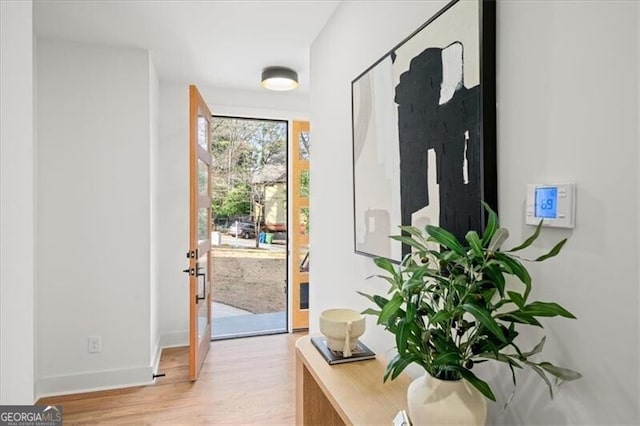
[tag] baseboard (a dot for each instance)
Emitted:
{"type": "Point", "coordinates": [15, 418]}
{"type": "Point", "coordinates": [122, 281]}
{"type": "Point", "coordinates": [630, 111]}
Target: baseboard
{"type": "Point", "coordinates": [174, 339]}
{"type": "Point", "coordinates": [110, 379]}
{"type": "Point", "coordinates": [94, 381]}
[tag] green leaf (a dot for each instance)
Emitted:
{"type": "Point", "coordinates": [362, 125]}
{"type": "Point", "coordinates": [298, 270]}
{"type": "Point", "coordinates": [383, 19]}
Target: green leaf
{"type": "Point", "coordinates": [391, 366]}
{"type": "Point", "coordinates": [484, 317]}
{"type": "Point", "coordinates": [516, 298]}
{"type": "Point", "coordinates": [560, 372]}
{"type": "Point", "coordinates": [409, 286]}
{"type": "Point", "coordinates": [554, 251]}
{"type": "Point", "coordinates": [481, 385]}
{"type": "Point", "coordinates": [441, 341]}
{"type": "Point", "coordinates": [518, 270]}
{"type": "Point", "coordinates": [503, 358]}
{"type": "Point", "coordinates": [402, 333]}
{"type": "Point", "coordinates": [413, 231]}
{"type": "Point", "coordinates": [445, 238]}
{"type": "Point", "coordinates": [513, 374]}
{"type": "Point", "coordinates": [441, 316]}
{"type": "Point", "coordinates": [492, 225]}
{"type": "Point", "coordinates": [404, 363]}
{"type": "Point", "coordinates": [529, 240]}
{"type": "Point", "coordinates": [450, 256]}
{"type": "Point", "coordinates": [512, 333]}
{"type": "Point", "coordinates": [449, 358]}
{"type": "Point", "coordinates": [474, 242]}
{"type": "Point", "coordinates": [536, 349]}
{"type": "Point", "coordinates": [380, 301]}
{"type": "Point", "coordinates": [370, 311]}
{"type": "Point", "coordinates": [496, 263]}
{"type": "Point", "coordinates": [397, 365]}
{"type": "Point", "coordinates": [499, 237]}
{"type": "Point", "coordinates": [546, 309]}
{"type": "Point", "coordinates": [496, 277]}
{"type": "Point", "coordinates": [519, 317]}
{"type": "Point", "coordinates": [407, 260]}
{"type": "Point", "coordinates": [495, 356]}
{"type": "Point", "coordinates": [500, 357]}
{"type": "Point", "coordinates": [488, 294]}
{"type": "Point", "coordinates": [368, 296]}
{"type": "Point", "coordinates": [415, 282]}
{"type": "Point", "coordinates": [460, 283]}
{"type": "Point", "coordinates": [411, 307]}
{"type": "Point", "coordinates": [385, 264]}
{"type": "Point", "coordinates": [390, 309]}
{"type": "Point", "coordinates": [390, 280]}
{"type": "Point", "coordinates": [540, 373]}
{"type": "Point", "coordinates": [487, 346]}
{"type": "Point", "coordinates": [409, 241]}
{"type": "Point", "coordinates": [419, 272]}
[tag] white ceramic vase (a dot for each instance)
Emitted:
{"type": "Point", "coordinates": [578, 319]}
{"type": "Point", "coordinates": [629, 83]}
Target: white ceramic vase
{"type": "Point", "coordinates": [445, 402]}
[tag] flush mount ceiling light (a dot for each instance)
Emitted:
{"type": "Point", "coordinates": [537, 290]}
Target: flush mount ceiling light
{"type": "Point", "coordinates": [279, 78]}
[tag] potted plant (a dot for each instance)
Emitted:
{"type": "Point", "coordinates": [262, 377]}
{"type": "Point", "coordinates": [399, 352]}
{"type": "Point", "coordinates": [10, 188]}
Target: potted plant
{"type": "Point", "coordinates": [451, 308]}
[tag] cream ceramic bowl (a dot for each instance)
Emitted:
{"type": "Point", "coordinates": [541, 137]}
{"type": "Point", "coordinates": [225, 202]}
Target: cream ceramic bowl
{"type": "Point", "coordinates": [342, 327]}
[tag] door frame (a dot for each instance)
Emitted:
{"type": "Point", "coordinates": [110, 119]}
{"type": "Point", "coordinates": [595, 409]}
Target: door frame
{"type": "Point", "coordinates": [287, 122]}
{"type": "Point", "coordinates": [299, 317]}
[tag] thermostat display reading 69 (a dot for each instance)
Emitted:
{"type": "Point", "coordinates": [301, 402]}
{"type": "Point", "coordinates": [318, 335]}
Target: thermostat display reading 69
{"type": "Point", "coordinates": [554, 204]}
{"type": "Point", "coordinates": [546, 202]}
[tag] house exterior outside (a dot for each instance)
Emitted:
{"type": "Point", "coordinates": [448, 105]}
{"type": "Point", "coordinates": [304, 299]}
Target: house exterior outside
{"type": "Point", "coordinates": [275, 206]}
{"type": "Point", "coordinates": [271, 182]}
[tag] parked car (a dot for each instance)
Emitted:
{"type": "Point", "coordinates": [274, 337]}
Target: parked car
{"type": "Point", "coordinates": [242, 229]}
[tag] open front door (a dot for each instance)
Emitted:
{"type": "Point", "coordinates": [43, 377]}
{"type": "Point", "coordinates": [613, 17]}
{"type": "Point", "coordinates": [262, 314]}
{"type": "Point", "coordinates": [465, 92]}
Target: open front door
{"type": "Point", "coordinates": [199, 253]}
{"type": "Point", "coordinates": [300, 230]}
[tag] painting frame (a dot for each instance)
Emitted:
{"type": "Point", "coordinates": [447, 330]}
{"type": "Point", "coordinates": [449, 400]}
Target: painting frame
{"type": "Point", "coordinates": [430, 97]}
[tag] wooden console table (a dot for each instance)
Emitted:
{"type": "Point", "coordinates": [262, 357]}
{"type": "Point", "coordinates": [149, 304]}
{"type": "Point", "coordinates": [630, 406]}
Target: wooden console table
{"type": "Point", "coordinates": [351, 393]}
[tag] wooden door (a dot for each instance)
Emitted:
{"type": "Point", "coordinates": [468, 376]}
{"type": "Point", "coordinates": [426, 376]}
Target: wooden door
{"type": "Point", "coordinates": [199, 253]}
{"type": "Point", "coordinates": [300, 254]}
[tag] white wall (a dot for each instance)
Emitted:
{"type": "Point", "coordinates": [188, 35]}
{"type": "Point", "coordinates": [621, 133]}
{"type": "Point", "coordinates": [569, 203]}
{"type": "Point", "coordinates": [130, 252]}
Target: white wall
{"type": "Point", "coordinates": [638, 197]}
{"type": "Point", "coordinates": [17, 152]}
{"type": "Point", "coordinates": [94, 125]}
{"type": "Point", "coordinates": [173, 240]}
{"type": "Point", "coordinates": [154, 232]}
{"type": "Point", "coordinates": [174, 200]}
{"type": "Point", "coordinates": [578, 122]}
{"type": "Point", "coordinates": [568, 108]}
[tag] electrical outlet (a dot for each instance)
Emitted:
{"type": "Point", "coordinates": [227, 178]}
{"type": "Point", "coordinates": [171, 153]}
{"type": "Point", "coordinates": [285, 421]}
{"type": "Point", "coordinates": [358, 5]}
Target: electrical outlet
{"type": "Point", "coordinates": [95, 344]}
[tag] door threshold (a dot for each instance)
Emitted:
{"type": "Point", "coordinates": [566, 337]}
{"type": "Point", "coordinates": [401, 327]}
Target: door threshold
{"type": "Point", "coordinates": [247, 334]}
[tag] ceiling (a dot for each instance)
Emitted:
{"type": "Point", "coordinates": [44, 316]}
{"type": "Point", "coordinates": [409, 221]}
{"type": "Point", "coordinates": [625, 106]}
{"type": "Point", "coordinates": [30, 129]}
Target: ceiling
{"type": "Point", "coordinates": [210, 43]}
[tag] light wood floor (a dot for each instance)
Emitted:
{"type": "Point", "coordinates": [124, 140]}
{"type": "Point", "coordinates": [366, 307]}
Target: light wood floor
{"type": "Point", "coordinates": [248, 381]}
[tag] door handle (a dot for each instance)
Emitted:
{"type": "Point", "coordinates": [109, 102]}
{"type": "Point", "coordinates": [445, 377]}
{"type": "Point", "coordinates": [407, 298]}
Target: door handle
{"type": "Point", "coordinates": [204, 284]}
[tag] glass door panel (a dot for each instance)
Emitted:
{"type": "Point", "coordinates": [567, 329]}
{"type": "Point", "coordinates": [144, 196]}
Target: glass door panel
{"type": "Point", "coordinates": [203, 275]}
{"type": "Point", "coordinates": [203, 177]}
{"type": "Point", "coordinates": [304, 221]}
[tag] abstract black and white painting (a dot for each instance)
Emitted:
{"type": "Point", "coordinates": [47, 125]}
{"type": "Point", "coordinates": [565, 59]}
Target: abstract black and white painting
{"type": "Point", "coordinates": [424, 131]}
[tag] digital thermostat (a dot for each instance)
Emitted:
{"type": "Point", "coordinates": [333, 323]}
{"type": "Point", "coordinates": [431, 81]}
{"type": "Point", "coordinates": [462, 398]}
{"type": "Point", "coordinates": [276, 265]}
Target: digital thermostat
{"type": "Point", "coordinates": [554, 204]}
